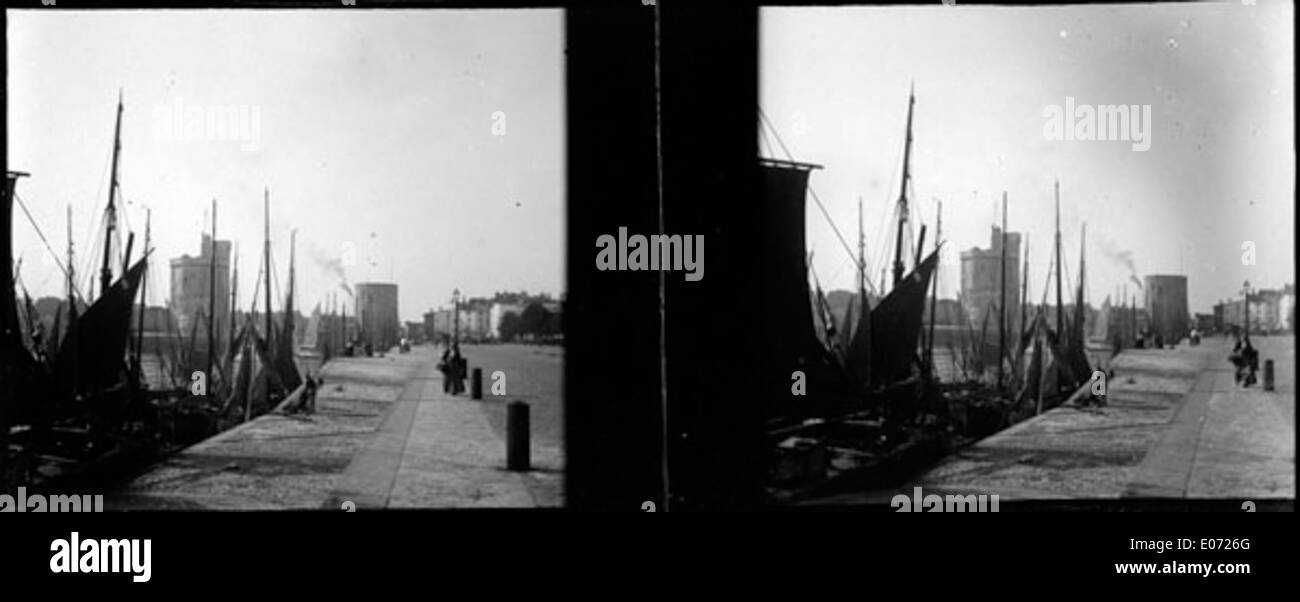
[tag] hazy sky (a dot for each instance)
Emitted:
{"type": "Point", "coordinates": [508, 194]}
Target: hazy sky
{"type": "Point", "coordinates": [1220, 169]}
{"type": "Point", "coordinates": [376, 131]}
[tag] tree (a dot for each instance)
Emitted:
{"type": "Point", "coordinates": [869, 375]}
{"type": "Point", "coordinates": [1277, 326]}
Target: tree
{"type": "Point", "coordinates": [511, 326]}
{"type": "Point", "coordinates": [534, 319]}
{"type": "Point", "coordinates": [553, 326]}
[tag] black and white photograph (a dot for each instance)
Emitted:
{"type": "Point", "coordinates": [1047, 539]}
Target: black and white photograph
{"type": "Point", "coordinates": [1029, 253]}
{"type": "Point", "coordinates": [397, 294]}
{"type": "Point", "coordinates": [284, 259]}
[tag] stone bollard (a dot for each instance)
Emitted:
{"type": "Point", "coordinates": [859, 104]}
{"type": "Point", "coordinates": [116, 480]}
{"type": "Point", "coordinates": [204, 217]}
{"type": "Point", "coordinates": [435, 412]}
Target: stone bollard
{"type": "Point", "coordinates": [1268, 375]}
{"type": "Point", "coordinates": [517, 435]}
{"type": "Point", "coordinates": [476, 384]}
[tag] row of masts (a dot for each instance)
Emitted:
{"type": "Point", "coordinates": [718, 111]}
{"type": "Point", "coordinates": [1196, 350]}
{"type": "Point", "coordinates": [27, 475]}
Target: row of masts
{"type": "Point", "coordinates": [898, 266]}
{"type": "Point", "coordinates": [106, 271]}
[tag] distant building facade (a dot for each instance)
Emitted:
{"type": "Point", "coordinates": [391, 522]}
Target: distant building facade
{"type": "Point", "coordinates": [377, 314]}
{"type": "Point", "coordinates": [479, 319]}
{"type": "Point", "coordinates": [498, 313]}
{"type": "Point", "coordinates": [191, 292]}
{"type": "Point", "coordinates": [981, 271]}
{"type": "Point", "coordinates": [1166, 305]}
{"type": "Point", "coordinates": [414, 331]}
{"type": "Point", "coordinates": [1271, 310]}
{"type": "Point", "coordinates": [1205, 322]}
{"type": "Point", "coordinates": [1277, 309]}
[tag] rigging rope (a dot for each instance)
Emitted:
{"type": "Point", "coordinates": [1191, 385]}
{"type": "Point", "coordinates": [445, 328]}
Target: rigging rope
{"type": "Point", "coordinates": [44, 240]}
{"type": "Point", "coordinates": [811, 191]}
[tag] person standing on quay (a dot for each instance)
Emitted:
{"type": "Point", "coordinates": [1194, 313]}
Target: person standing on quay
{"type": "Point", "coordinates": [445, 366]}
{"type": "Point", "coordinates": [458, 370]}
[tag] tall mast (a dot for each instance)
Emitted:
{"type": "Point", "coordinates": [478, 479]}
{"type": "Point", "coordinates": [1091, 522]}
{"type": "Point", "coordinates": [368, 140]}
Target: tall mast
{"type": "Point", "coordinates": [1002, 305]}
{"type": "Point", "coordinates": [105, 272]}
{"type": "Point", "coordinates": [1060, 309]}
{"type": "Point", "coordinates": [902, 191]}
{"type": "Point", "coordinates": [234, 299]}
{"type": "Point", "coordinates": [289, 317]}
{"type": "Point", "coordinates": [266, 258]}
{"type": "Point", "coordinates": [293, 249]}
{"type": "Point", "coordinates": [1078, 311]}
{"type": "Point", "coordinates": [71, 266]}
{"type": "Point", "coordinates": [1024, 289]}
{"type": "Point", "coordinates": [1123, 315]}
{"type": "Point", "coordinates": [934, 295]}
{"type": "Point", "coordinates": [71, 338]}
{"type": "Point", "coordinates": [126, 257]}
{"type": "Point", "coordinates": [144, 289]}
{"type": "Point", "coordinates": [1133, 314]}
{"type": "Point", "coordinates": [212, 292]}
{"type": "Point", "coordinates": [862, 256]}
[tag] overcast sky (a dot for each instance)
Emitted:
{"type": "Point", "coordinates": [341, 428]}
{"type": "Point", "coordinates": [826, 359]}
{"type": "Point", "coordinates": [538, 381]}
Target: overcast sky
{"type": "Point", "coordinates": [1220, 169]}
{"type": "Point", "coordinates": [376, 130]}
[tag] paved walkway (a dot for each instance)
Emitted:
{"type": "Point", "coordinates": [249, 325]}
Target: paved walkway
{"type": "Point", "coordinates": [1226, 440]}
{"type": "Point", "coordinates": [1176, 426]}
{"type": "Point", "coordinates": [384, 436]}
{"type": "Point", "coordinates": [438, 450]}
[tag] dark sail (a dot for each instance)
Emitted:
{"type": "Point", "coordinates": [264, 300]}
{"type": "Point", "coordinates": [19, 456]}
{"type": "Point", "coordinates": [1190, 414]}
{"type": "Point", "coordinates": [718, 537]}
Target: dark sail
{"type": "Point", "coordinates": [20, 372]}
{"type": "Point", "coordinates": [284, 350]}
{"type": "Point", "coordinates": [1077, 353]}
{"type": "Point", "coordinates": [859, 348]}
{"type": "Point", "coordinates": [896, 325]}
{"type": "Point", "coordinates": [1050, 373]}
{"type": "Point", "coordinates": [10, 335]}
{"type": "Point", "coordinates": [98, 358]}
{"type": "Point", "coordinates": [786, 308]}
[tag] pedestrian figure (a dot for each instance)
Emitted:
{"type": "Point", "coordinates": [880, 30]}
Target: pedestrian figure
{"type": "Point", "coordinates": [1250, 357]}
{"type": "Point", "coordinates": [444, 366]}
{"type": "Point", "coordinates": [458, 370]}
{"type": "Point", "coordinates": [1238, 361]}
{"type": "Point", "coordinates": [309, 395]}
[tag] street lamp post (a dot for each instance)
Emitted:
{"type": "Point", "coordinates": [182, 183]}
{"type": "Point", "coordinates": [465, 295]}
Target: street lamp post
{"type": "Point", "coordinates": [1245, 291]}
{"type": "Point", "coordinates": [455, 316]}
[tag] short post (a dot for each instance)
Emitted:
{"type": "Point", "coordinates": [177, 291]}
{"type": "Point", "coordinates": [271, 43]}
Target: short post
{"type": "Point", "coordinates": [476, 384]}
{"type": "Point", "coordinates": [517, 434]}
{"type": "Point", "coordinates": [1268, 375]}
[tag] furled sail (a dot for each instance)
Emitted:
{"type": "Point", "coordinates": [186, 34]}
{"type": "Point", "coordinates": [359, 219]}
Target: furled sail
{"type": "Point", "coordinates": [98, 357]}
{"type": "Point", "coordinates": [896, 325]}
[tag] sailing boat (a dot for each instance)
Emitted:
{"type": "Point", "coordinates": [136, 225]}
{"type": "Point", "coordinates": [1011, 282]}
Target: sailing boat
{"type": "Point", "coordinates": [787, 308]}
{"type": "Point", "coordinates": [97, 361]}
{"type": "Point", "coordinates": [1058, 363]}
{"type": "Point", "coordinates": [895, 323]}
{"type": "Point", "coordinates": [867, 378]}
{"type": "Point", "coordinates": [85, 405]}
{"type": "Point", "coordinates": [267, 373]}
{"type": "Point", "coordinates": [21, 373]}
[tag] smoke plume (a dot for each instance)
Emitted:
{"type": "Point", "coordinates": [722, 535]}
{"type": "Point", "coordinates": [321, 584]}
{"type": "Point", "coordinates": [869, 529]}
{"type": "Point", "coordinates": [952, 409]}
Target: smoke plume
{"type": "Point", "coordinates": [1121, 257]}
{"type": "Point", "coordinates": [332, 266]}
